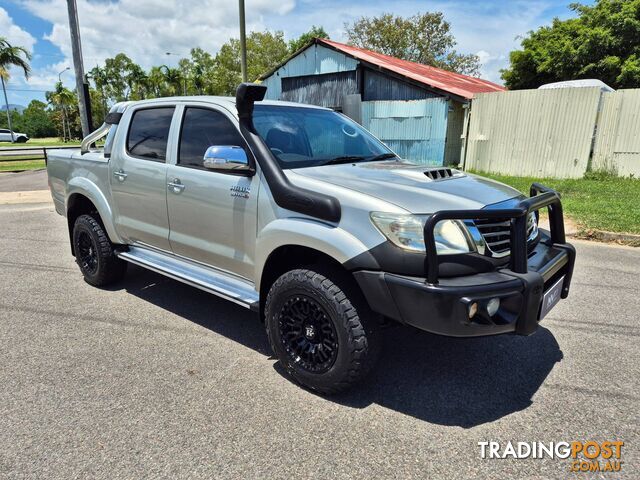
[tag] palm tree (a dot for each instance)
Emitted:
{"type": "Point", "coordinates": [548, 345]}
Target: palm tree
{"type": "Point", "coordinates": [61, 98]}
{"type": "Point", "coordinates": [173, 77]}
{"type": "Point", "coordinates": [137, 82]}
{"type": "Point", "coordinates": [12, 56]}
{"type": "Point", "coordinates": [155, 81]}
{"type": "Point", "coordinates": [198, 78]}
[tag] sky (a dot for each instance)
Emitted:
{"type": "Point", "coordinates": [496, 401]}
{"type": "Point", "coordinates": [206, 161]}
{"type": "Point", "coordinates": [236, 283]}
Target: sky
{"type": "Point", "coordinates": [147, 29]}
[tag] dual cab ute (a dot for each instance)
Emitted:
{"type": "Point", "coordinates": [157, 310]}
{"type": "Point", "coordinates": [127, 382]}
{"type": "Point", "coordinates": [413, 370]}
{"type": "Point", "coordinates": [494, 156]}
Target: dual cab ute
{"type": "Point", "coordinates": [301, 215]}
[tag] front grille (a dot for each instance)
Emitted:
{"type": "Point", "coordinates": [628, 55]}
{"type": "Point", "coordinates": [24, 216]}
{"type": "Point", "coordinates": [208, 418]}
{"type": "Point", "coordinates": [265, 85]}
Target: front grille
{"type": "Point", "coordinates": [497, 232]}
{"type": "Point", "coordinates": [439, 173]}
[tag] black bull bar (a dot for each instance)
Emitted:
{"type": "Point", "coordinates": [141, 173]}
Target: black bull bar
{"type": "Point", "coordinates": [540, 197]}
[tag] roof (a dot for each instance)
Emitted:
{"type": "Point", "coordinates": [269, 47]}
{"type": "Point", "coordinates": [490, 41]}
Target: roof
{"type": "Point", "coordinates": [455, 83]}
{"type": "Point", "coordinates": [584, 83]}
{"type": "Point", "coordinates": [436, 78]}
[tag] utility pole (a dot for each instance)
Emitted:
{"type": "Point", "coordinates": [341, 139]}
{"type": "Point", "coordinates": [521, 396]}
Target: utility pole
{"type": "Point", "coordinates": [82, 87]}
{"type": "Point", "coordinates": [243, 42]}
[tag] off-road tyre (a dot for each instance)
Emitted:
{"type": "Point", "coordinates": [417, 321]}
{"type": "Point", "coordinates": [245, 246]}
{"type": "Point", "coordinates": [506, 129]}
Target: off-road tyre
{"type": "Point", "coordinates": [95, 253]}
{"type": "Point", "coordinates": [326, 297]}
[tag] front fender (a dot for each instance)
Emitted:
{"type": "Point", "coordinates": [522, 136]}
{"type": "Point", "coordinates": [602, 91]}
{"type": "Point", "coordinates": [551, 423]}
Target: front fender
{"type": "Point", "coordinates": [84, 186]}
{"type": "Point", "coordinates": [330, 240]}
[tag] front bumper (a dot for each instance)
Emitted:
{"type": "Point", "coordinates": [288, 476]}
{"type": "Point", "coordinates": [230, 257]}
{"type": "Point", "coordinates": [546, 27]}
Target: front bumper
{"type": "Point", "coordinates": [443, 305]}
{"type": "Point", "coordinates": [443, 308]}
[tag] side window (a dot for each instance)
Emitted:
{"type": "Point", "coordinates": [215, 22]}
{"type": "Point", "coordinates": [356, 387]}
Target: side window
{"type": "Point", "coordinates": [149, 132]}
{"type": "Point", "coordinates": [2, 130]}
{"type": "Point", "coordinates": [202, 128]}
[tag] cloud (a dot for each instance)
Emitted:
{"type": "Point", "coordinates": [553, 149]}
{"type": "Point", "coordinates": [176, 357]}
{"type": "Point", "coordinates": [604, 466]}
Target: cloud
{"type": "Point", "coordinates": [143, 29]}
{"type": "Point", "coordinates": [146, 29]}
{"type": "Point", "coordinates": [16, 36]}
{"type": "Point", "coordinates": [13, 33]}
{"type": "Point", "coordinates": [488, 27]}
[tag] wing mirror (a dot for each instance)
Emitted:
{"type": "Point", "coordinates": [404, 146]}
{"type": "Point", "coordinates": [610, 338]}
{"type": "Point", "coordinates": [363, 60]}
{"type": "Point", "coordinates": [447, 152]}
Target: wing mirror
{"type": "Point", "coordinates": [227, 158]}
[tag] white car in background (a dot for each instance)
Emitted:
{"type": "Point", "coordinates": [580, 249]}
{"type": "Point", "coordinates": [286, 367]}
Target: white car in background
{"type": "Point", "coordinates": [5, 136]}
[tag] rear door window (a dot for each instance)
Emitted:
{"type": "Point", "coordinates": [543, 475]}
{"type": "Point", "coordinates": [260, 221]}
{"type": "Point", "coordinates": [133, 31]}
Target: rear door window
{"type": "Point", "coordinates": [149, 132]}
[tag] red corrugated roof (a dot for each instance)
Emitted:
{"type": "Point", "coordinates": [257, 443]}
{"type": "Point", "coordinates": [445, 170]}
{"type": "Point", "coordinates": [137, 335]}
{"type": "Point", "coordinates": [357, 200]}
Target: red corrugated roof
{"type": "Point", "coordinates": [454, 83]}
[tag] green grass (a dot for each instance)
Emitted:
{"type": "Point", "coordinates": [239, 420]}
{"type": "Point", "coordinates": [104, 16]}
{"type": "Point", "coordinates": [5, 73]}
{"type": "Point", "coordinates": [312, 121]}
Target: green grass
{"type": "Point", "coordinates": [40, 142]}
{"type": "Point", "coordinates": [599, 202]}
{"type": "Point", "coordinates": [21, 165]}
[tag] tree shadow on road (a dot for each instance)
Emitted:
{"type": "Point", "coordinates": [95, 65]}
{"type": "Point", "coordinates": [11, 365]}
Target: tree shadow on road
{"type": "Point", "coordinates": [447, 381]}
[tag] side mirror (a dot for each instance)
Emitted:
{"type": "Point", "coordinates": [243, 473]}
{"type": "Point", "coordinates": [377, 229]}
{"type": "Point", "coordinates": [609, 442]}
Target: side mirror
{"type": "Point", "coordinates": [226, 157]}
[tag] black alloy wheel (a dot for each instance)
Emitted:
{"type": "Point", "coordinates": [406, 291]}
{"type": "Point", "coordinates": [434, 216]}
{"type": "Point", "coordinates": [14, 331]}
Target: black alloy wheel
{"type": "Point", "coordinates": [87, 254]}
{"type": "Point", "coordinates": [320, 328]}
{"type": "Point", "coordinates": [307, 334]}
{"type": "Point", "coordinates": [95, 254]}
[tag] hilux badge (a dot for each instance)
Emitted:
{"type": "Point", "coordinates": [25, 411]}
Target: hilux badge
{"type": "Point", "coordinates": [239, 191]}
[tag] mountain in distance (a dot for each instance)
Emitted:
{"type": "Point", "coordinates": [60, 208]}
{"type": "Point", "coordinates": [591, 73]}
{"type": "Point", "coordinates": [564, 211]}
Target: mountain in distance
{"type": "Point", "coordinates": [12, 106]}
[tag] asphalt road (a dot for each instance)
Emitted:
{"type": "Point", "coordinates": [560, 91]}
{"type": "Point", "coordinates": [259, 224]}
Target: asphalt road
{"type": "Point", "coordinates": [23, 181]}
{"type": "Point", "coordinates": [156, 379]}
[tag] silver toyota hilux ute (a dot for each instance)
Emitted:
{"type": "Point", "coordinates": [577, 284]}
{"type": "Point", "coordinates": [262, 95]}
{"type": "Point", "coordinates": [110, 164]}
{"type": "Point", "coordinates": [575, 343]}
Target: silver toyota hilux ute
{"type": "Point", "coordinates": [301, 215]}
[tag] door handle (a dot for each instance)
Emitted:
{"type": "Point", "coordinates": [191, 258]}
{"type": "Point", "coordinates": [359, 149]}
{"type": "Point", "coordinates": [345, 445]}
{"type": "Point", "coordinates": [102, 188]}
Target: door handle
{"type": "Point", "coordinates": [120, 175]}
{"type": "Point", "coordinates": [176, 186]}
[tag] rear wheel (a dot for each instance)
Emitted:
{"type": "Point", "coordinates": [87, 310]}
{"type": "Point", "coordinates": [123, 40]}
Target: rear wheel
{"type": "Point", "coordinates": [320, 330]}
{"type": "Point", "coordinates": [94, 253]}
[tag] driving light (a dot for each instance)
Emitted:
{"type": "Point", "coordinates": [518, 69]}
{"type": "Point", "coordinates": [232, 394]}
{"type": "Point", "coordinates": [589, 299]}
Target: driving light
{"type": "Point", "coordinates": [492, 306]}
{"type": "Point", "coordinates": [407, 231]}
{"type": "Point", "coordinates": [473, 309]}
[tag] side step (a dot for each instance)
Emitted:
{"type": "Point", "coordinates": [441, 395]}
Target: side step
{"type": "Point", "coordinates": [213, 281]}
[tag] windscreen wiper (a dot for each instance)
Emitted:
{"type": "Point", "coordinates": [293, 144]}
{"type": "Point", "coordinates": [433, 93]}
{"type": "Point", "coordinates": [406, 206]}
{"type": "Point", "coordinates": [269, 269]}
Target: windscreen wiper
{"type": "Point", "coordinates": [359, 158]}
{"type": "Point", "coordinates": [345, 159]}
{"type": "Point", "coordinates": [382, 156]}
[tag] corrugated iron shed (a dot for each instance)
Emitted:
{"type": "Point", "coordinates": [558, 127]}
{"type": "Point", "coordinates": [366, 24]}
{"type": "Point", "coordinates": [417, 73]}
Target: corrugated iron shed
{"type": "Point", "coordinates": [456, 84]}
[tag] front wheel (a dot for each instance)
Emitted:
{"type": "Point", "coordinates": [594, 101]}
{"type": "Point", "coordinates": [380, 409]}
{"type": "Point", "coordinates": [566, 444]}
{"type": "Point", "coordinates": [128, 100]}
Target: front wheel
{"type": "Point", "coordinates": [320, 330]}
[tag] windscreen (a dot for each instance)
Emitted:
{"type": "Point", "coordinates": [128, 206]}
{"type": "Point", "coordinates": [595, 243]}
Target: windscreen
{"type": "Point", "coordinates": [308, 137]}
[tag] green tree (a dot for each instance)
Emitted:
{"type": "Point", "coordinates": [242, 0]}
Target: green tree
{"type": "Point", "coordinates": [11, 56]}
{"type": "Point", "coordinates": [424, 38]}
{"type": "Point", "coordinates": [173, 79]}
{"type": "Point", "coordinates": [16, 121]}
{"type": "Point", "coordinates": [306, 38]}
{"type": "Point", "coordinates": [120, 73]}
{"type": "Point", "coordinates": [100, 80]}
{"type": "Point", "coordinates": [36, 120]}
{"type": "Point", "coordinates": [265, 50]}
{"type": "Point", "coordinates": [98, 110]}
{"type": "Point", "coordinates": [203, 66]}
{"type": "Point", "coordinates": [198, 72]}
{"type": "Point", "coordinates": [602, 42]}
{"type": "Point", "coordinates": [137, 84]}
{"type": "Point", "coordinates": [63, 100]}
{"type": "Point", "coordinates": [156, 83]}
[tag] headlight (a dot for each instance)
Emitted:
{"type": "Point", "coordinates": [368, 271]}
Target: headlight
{"type": "Point", "coordinates": [407, 231]}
